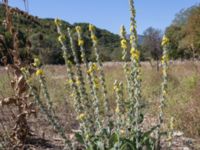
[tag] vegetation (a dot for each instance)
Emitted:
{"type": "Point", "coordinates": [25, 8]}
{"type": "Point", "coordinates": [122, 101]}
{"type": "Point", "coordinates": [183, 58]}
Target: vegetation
{"type": "Point", "coordinates": [184, 34]}
{"type": "Point", "coordinates": [151, 46]}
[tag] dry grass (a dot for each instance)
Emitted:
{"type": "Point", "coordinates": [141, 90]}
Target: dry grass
{"type": "Point", "coordinates": [183, 99]}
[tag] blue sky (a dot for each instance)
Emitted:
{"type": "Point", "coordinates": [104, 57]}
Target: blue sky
{"type": "Point", "coordinates": [108, 14]}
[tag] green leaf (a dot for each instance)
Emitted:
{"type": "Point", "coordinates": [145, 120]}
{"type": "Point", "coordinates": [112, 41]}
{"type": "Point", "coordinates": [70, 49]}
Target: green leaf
{"type": "Point", "coordinates": [79, 138]}
{"type": "Point", "coordinates": [113, 139]}
{"type": "Point", "coordinates": [100, 145]}
{"type": "Point", "coordinates": [127, 145]}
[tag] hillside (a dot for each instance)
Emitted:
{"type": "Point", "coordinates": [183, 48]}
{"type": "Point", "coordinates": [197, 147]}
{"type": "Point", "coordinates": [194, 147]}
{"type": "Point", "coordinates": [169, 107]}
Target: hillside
{"type": "Point", "coordinates": [43, 37]}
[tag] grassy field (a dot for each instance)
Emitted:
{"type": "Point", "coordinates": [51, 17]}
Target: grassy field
{"type": "Point", "coordinates": [183, 97]}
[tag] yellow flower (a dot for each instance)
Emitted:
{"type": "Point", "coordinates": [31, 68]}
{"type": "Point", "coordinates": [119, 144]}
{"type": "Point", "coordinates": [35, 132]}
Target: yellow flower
{"type": "Point", "coordinates": [80, 42]}
{"type": "Point", "coordinates": [122, 131]}
{"type": "Point", "coordinates": [72, 95]}
{"type": "Point", "coordinates": [132, 39]}
{"type": "Point", "coordinates": [123, 44]}
{"type": "Point", "coordinates": [87, 136]}
{"type": "Point", "coordinates": [36, 62]}
{"type": "Point", "coordinates": [89, 71]}
{"type": "Point", "coordinates": [23, 69]}
{"type": "Point", "coordinates": [117, 110]}
{"type": "Point", "coordinates": [81, 117]}
{"type": "Point", "coordinates": [78, 29]}
{"type": "Point", "coordinates": [39, 72]}
{"type": "Point", "coordinates": [165, 41]}
{"type": "Point", "coordinates": [135, 54]}
{"type": "Point", "coordinates": [116, 88]}
{"type": "Point", "coordinates": [94, 66]}
{"type": "Point", "coordinates": [57, 22]}
{"type": "Point", "coordinates": [96, 83]}
{"type": "Point", "coordinates": [94, 38]}
{"type": "Point", "coordinates": [61, 38]}
{"type": "Point", "coordinates": [78, 82]}
{"type": "Point", "coordinates": [91, 28]}
{"type": "Point", "coordinates": [165, 59]}
{"type": "Point", "coordinates": [70, 81]}
{"type": "Point", "coordinates": [164, 93]}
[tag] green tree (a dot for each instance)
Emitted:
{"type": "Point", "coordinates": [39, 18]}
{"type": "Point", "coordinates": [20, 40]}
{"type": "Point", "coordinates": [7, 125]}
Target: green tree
{"type": "Point", "coordinates": [184, 34]}
{"type": "Point", "coordinates": [151, 45]}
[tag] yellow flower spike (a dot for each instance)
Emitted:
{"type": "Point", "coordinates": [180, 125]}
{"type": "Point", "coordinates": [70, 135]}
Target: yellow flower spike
{"type": "Point", "coordinates": [123, 44]}
{"type": "Point", "coordinates": [36, 62]}
{"type": "Point", "coordinates": [39, 72]}
{"type": "Point", "coordinates": [61, 38]}
{"type": "Point", "coordinates": [78, 29]}
{"type": "Point", "coordinates": [135, 54]}
{"type": "Point", "coordinates": [91, 28]}
{"type": "Point", "coordinates": [81, 117]}
{"type": "Point", "coordinates": [57, 22]}
{"type": "Point", "coordinates": [165, 41]}
{"type": "Point", "coordinates": [80, 42]}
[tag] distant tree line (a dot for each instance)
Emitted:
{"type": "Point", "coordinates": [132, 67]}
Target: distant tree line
{"type": "Point", "coordinates": [183, 33]}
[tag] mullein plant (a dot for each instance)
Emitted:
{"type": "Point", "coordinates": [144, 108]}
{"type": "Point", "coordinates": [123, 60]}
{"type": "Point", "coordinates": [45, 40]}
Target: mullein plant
{"type": "Point", "coordinates": [91, 82]}
{"type": "Point", "coordinates": [50, 116]}
{"type": "Point", "coordinates": [102, 76]}
{"type": "Point", "coordinates": [170, 133]}
{"type": "Point", "coordinates": [43, 84]}
{"type": "Point", "coordinates": [45, 108]}
{"type": "Point", "coordinates": [120, 130]}
{"type": "Point", "coordinates": [164, 62]}
{"type": "Point", "coordinates": [135, 76]}
{"type": "Point", "coordinates": [77, 84]}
